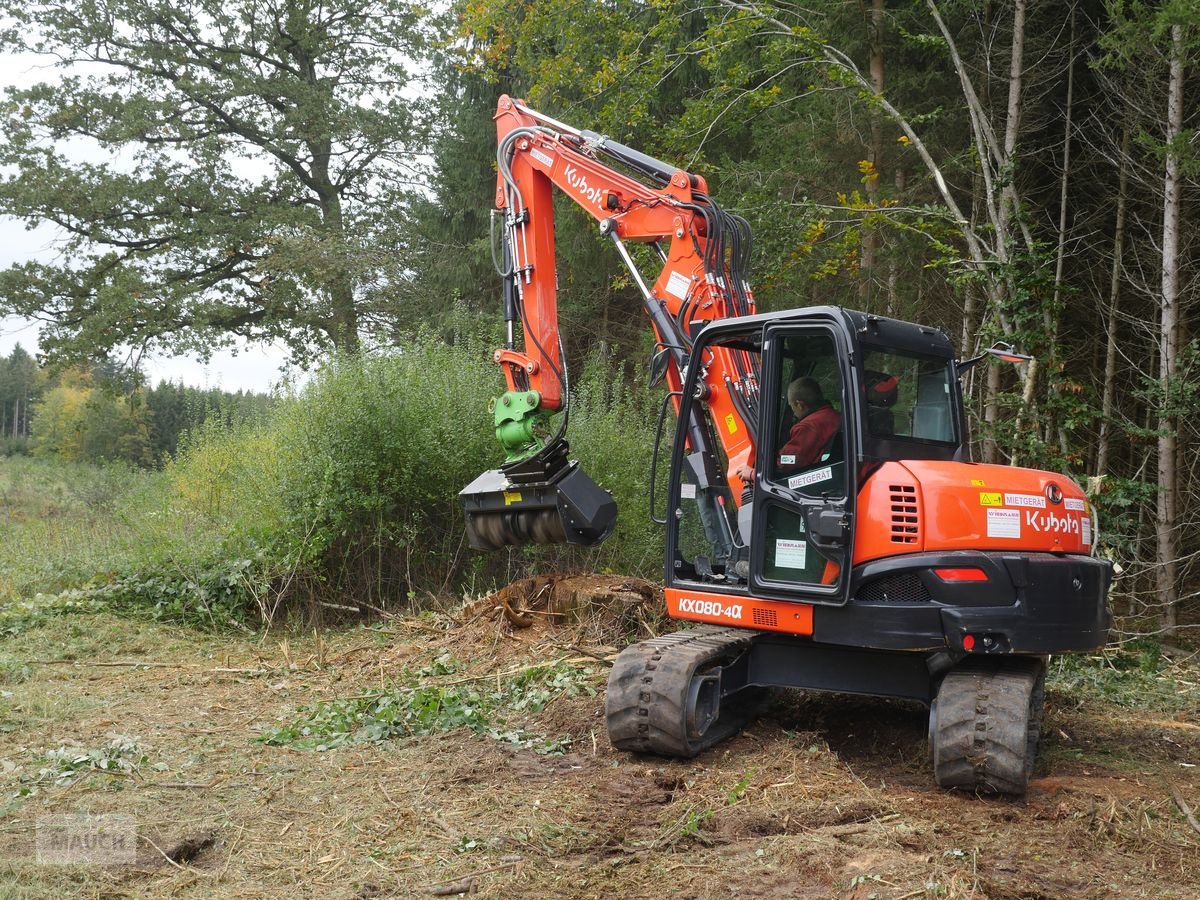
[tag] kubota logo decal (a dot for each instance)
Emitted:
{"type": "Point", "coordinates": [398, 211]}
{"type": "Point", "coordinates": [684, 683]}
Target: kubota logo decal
{"type": "Point", "coordinates": [1051, 522]}
{"type": "Point", "coordinates": [579, 183]}
{"type": "Point", "coordinates": [710, 608]}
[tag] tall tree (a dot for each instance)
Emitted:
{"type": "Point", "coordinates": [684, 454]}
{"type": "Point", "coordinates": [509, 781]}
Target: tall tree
{"type": "Point", "coordinates": [1166, 520]}
{"type": "Point", "coordinates": [19, 388]}
{"type": "Point", "coordinates": [1158, 47]}
{"type": "Point", "coordinates": [217, 169]}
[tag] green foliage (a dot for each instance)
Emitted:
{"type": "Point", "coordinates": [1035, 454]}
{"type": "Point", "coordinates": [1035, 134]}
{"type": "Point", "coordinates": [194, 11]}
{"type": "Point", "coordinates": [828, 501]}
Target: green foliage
{"type": "Point", "coordinates": [21, 385]}
{"type": "Point", "coordinates": [63, 523]}
{"type": "Point", "coordinates": [240, 175]}
{"type": "Point", "coordinates": [372, 457]}
{"type": "Point", "coordinates": [421, 708]}
{"type": "Point", "coordinates": [612, 435]}
{"type": "Point", "coordinates": [1136, 675]}
{"type": "Point", "coordinates": [120, 756]}
{"type": "Point", "coordinates": [87, 537]}
{"type": "Point", "coordinates": [80, 421]}
{"type": "Point", "coordinates": [20, 615]}
{"type": "Point", "coordinates": [176, 409]}
{"type": "Point", "coordinates": [346, 492]}
{"type": "Point", "coordinates": [738, 791]}
{"type": "Point", "coordinates": [214, 596]}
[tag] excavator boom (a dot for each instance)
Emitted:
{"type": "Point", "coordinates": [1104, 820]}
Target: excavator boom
{"type": "Point", "coordinates": [538, 494]}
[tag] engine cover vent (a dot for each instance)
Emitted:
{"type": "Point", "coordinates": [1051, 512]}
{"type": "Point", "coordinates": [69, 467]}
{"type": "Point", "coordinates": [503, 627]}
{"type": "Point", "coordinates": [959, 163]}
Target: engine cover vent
{"type": "Point", "coordinates": [905, 587]}
{"type": "Point", "coordinates": [765, 617]}
{"type": "Point", "coordinates": [906, 526]}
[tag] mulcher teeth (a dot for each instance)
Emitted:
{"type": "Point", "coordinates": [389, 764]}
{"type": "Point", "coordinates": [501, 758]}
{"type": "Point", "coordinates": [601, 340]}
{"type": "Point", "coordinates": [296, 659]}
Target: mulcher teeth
{"type": "Point", "coordinates": [566, 508]}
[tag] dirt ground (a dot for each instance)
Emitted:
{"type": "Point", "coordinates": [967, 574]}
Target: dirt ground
{"type": "Point", "coordinates": [824, 796]}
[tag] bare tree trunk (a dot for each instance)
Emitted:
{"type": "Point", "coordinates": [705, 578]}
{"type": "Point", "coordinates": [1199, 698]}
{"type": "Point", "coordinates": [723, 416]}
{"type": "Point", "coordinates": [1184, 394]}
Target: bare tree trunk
{"type": "Point", "coordinates": [1114, 304]}
{"type": "Point", "coordinates": [893, 278]}
{"type": "Point", "coordinates": [991, 415]}
{"type": "Point", "coordinates": [1165, 521]}
{"type": "Point", "coordinates": [1052, 382]}
{"type": "Point", "coordinates": [1012, 122]}
{"type": "Point", "coordinates": [1008, 196]}
{"type": "Point", "coordinates": [869, 237]}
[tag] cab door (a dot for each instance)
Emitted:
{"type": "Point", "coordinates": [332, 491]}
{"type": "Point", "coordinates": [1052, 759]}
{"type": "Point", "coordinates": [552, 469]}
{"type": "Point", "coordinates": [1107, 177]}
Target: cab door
{"type": "Point", "coordinates": [802, 518]}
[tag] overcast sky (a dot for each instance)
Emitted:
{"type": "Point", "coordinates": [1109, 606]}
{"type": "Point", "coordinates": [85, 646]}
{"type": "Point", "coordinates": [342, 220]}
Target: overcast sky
{"type": "Point", "coordinates": [253, 368]}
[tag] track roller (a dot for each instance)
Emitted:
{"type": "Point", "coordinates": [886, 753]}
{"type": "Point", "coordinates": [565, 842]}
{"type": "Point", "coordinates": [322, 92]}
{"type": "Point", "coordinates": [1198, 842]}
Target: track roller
{"type": "Point", "coordinates": [984, 725]}
{"type": "Point", "coordinates": [666, 696]}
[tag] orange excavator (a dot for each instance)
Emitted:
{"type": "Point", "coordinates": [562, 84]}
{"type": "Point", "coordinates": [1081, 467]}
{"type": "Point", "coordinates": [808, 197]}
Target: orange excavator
{"type": "Point", "coordinates": [824, 524]}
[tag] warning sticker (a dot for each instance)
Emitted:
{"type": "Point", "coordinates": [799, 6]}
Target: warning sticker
{"type": "Point", "coordinates": [990, 499]}
{"type": "Point", "coordinates": [731, 423]}
{"type": "Point", "coordinates": [678, 285]}
{"type": "Point", "coordinates": [511, 497]}
{"type": "Point", "coordinates": [816, 476]}
{"type": "Point", "coordinates": [1032, 501]}
{"type": "Point", "coordinates": [687, 491]}
{"type": "Point", "coordinates": [978, 482]}
{"type": "Point", "coordinates": [1086, 536]}
{"type": "Point", "coordinates": [791, 554]}
{"type": "Point", "coordinates": [1003, 523]}
{"type": "Point", "coordinates": [544, 158]}
{"type": "Point", "coordinates": [1077, 505]}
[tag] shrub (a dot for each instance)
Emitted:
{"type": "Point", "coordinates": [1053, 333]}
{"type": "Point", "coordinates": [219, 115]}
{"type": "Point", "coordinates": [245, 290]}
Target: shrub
{"type": "Point", "coordinates": [14, 445]}
{"type": "Point", "coordinates": [346, 494]}
{"type": "Point", "coordinates": [372, 457]}
{"type": "Point", "coordinates": [611, 432]}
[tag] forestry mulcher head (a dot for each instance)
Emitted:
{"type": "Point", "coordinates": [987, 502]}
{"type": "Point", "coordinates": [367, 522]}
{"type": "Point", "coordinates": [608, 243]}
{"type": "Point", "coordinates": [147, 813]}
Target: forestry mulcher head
{"type": "Point", "coordinates": [545, 499]}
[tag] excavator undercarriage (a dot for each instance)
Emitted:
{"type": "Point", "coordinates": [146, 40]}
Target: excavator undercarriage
{"type": "Point", "coordinates": [680, 694]}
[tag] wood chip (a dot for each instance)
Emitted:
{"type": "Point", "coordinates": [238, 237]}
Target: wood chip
{"type": "Point", "coordinates": [1185, 809]}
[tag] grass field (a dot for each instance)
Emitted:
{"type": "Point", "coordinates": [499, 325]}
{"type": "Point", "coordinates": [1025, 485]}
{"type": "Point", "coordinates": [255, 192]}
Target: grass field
{"type": "Point", "coordinates": [64, 524]}
{"type": "Point", "coordinates": [465, 754]}
{"type": "Point", "coordinates": [453, 752]}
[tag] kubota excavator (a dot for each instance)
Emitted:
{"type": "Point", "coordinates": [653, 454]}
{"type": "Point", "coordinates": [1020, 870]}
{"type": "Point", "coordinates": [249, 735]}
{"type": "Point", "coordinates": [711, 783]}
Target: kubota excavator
{"type": "Point", "coordinates": [874, 559]}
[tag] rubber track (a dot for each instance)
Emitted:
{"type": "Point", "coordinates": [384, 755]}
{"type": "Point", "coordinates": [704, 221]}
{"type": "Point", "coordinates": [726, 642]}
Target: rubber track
{"type": "Point", "coordinates": [987, 726]}
{"type": "Point", "coordinates": [648, 687]}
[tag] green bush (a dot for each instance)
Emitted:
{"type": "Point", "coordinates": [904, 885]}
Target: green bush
{"type": "Point", "coordinates": [611, 432]}
{"type": "Point", "coordinates": [11, 445]}
{"type": "Point", "coordinates": [346, 494]}
{"type": "Point", "coordinates": [372, 457]}
{"type": "Point", "coordinates": [373, 453]}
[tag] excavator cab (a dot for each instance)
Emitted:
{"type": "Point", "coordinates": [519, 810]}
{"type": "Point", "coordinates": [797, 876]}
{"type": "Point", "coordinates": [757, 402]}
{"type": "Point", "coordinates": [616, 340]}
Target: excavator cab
{"type": "Point", "coordinates": [849, 391]}
{"type": "Point", "coordinates": [790, 528]}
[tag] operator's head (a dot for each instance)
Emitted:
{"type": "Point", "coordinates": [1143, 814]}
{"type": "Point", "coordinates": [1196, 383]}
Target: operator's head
{"type": "Point", "coordinates": [804, 395]}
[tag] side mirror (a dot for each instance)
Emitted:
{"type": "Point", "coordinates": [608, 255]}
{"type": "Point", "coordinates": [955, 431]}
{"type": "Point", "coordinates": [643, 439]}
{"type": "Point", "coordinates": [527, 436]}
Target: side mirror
{"type": "Point", "coordinates": [1002, 350]}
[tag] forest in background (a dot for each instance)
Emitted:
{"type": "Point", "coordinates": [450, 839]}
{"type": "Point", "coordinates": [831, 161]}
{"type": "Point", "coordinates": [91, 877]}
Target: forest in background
{"type": "Point", "coordinates": [101, 414]}
{"type": "Point", "coordinates": [996, 169]}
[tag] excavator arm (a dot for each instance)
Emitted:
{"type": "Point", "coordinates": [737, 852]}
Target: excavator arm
{"type": "Point", "coordinates": [703, 252]}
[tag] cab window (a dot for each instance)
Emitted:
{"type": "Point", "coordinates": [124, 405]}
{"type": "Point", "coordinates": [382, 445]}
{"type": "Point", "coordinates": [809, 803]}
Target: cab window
{"type": "Point", "coordinates": [807, 450]}
{"type": "Point", "coordinates": [908, 396]}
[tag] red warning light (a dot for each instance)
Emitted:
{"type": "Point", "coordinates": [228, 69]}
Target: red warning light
{"type": "Point", "coordinates": [966, 574]}
{"type": "Point", "coordinates": [968, 642]}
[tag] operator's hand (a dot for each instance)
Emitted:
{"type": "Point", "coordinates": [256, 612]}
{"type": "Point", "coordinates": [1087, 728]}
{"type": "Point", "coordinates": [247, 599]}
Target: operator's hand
{"type": "Point", "coordinates": [746, 473]}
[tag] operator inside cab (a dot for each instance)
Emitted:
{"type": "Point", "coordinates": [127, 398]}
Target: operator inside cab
{"type": "Point", "coordinates": [817, 423]}
{"type": "Point", "coordinates": [809, 426]}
